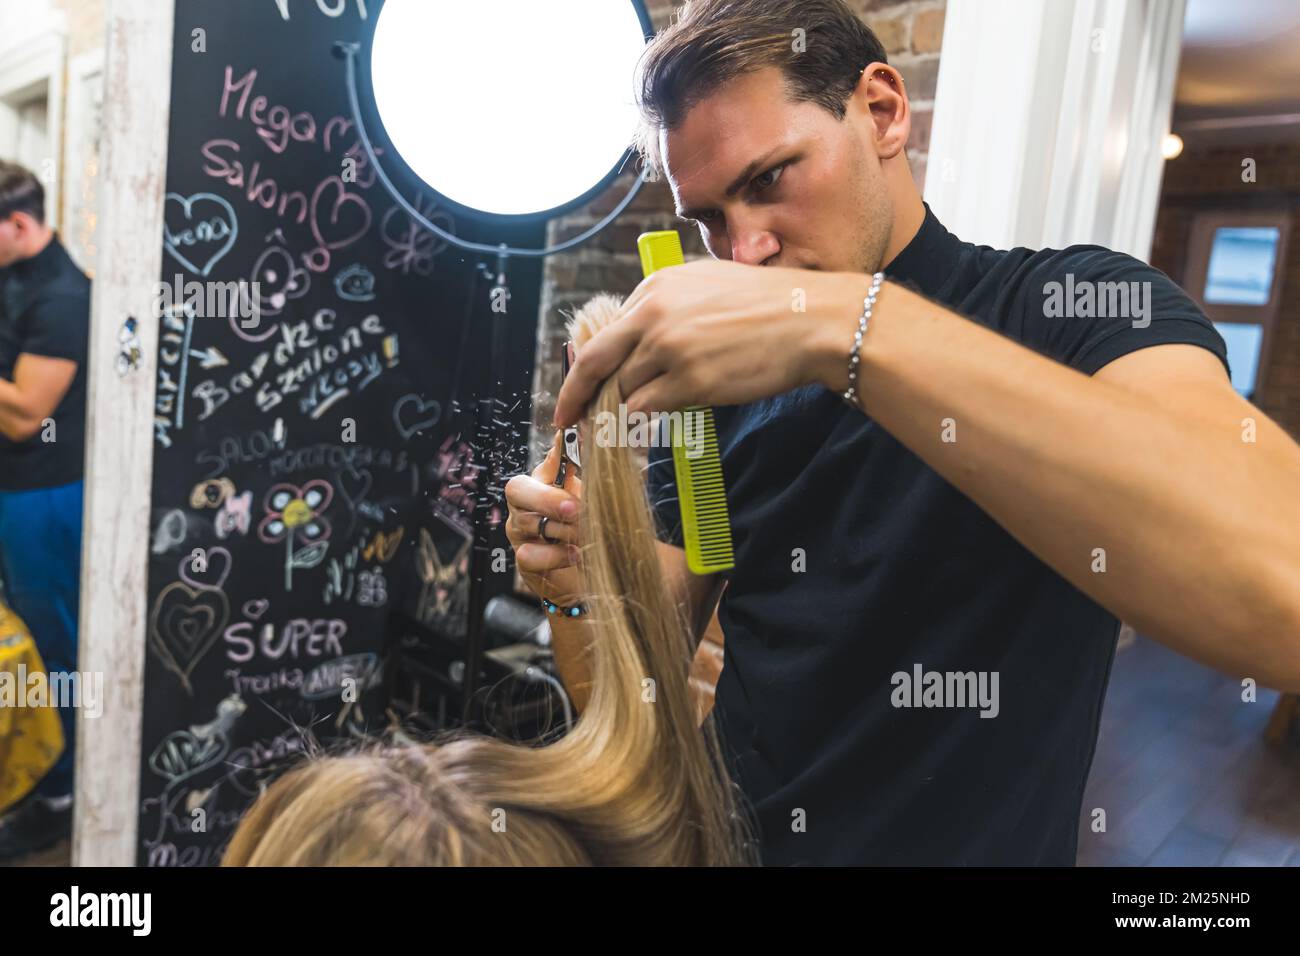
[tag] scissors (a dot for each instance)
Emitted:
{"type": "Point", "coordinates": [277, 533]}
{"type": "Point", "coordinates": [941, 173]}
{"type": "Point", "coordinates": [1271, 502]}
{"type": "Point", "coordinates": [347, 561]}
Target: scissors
{"type": "Point", "coordinates": [570, 453]}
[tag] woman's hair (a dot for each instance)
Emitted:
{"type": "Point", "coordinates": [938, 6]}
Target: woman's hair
{"type": "Point", "coordinates": [637, 781]}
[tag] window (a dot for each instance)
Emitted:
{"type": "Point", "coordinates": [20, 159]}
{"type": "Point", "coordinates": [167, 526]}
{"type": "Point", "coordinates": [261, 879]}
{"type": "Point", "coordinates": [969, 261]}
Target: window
{"type": "Point", "coordinates": [1245, 341]}
{"type": "Point", "coordinates": [1241, 265]}
{"type": "Point", "coordinates": [1235, 264]}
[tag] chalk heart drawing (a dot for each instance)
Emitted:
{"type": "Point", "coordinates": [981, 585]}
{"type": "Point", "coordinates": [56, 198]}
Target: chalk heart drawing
{"type": "Point", "coordinates": [198, 230]}
{"type": "Point", "coordinates": [413, 414]}
{"type": "Point", "coordinates": [354, 486]}
{"type": "Point", "coordinates": [214, 572]}
{"type": "Point", "coordinates": [183, 626]}
{"type": "Point", "coordinates": [256, 608]}
{"type": "Point", "coordinates": [329, 205]}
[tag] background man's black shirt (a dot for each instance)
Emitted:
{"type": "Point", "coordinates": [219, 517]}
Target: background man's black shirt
{"type": "Point", "coordinates": [902, 569]}
{"type": "Point", "coordinates": [45, 310]}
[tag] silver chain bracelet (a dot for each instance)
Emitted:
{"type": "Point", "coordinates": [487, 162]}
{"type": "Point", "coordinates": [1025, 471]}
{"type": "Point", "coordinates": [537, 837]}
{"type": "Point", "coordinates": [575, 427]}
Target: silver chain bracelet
{"type": "Point", "coordinates": [850, 395]}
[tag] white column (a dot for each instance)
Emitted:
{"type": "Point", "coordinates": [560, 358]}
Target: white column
{"type": "Point", "coordinates": [1048, 120]}
{"type": "Point", "coordinates": [119, 428]}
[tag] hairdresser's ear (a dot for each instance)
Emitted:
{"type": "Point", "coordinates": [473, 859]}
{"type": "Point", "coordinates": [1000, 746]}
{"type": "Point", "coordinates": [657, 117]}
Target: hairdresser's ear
{"type": "Point", "coordinates": [881, 101]}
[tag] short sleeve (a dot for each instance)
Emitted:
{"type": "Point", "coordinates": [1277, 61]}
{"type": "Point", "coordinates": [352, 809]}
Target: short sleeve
{"type": "Point", "coordinates": [1096, 305]}
{"type": "Point", "coordinates": [56, 325]}
{"type": "Point", "coordinates": [661, 488]}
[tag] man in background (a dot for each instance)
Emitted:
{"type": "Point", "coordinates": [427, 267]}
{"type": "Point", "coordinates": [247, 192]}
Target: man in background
{"type": "Point", "coordinates": [44, 328]}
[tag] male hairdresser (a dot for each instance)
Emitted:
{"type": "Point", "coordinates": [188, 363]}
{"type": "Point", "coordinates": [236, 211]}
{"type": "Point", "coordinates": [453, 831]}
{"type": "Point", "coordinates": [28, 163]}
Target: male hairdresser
{"type": "Point", "coordinates": [44, 325]}
{"type": "Point", "coordinates": [943, 497]}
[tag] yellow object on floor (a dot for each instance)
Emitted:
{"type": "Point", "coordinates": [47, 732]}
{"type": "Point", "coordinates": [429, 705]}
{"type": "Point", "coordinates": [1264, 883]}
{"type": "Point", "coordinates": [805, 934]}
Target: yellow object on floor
{"type": "Point", "coordinates": [31, 738]}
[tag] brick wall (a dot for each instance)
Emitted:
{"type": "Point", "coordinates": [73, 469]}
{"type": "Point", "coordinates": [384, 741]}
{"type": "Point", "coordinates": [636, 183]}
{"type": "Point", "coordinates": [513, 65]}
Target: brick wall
{"type": "Point", "coordinates": [1209, 177]}
{"type": "Point", "coordinates": [911, 33]}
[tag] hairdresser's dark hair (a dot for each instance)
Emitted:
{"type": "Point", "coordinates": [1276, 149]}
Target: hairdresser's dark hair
{"type": "Point", "coordinates": [714, 41]}
{"type": "Point", "coordinates": [20, 191]}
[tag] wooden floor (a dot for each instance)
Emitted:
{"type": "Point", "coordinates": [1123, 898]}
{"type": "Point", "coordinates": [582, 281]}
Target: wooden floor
{"type": "Point", "coordinates": [1184, 773]}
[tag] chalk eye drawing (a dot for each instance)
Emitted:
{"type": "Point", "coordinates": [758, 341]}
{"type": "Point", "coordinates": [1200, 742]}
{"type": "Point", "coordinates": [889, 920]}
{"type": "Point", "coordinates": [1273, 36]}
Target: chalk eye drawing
{"type": "Point", "coordinates": [410, 245]}
{"type": "Point", "coordinates": [295, 515]}
{"type": "Point", "coordinates": [183, 626]}
{"type": "Point", "coordinates": [356, 283]}
{"type": "Point", "coordinates": [235, 516]}
{"type": "Point", "coordinates": [198, 230]}
{"type": "Point", "coordinates": [412, 415]}
{"type": "Point", "coordinates": [277, 279]}
{"type": "Point", "coordinates": [184, 753]}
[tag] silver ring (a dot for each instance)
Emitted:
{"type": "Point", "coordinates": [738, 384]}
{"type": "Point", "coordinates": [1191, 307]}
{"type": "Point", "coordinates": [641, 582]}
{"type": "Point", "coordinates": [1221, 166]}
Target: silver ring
{"type": "Point", "coordinates": [541, 531]}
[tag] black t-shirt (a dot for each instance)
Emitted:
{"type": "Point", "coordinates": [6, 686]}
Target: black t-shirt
{"type": "Point", "coordinates": [45, 310]}
{"type": "Point", "coordinates": [904, 575]}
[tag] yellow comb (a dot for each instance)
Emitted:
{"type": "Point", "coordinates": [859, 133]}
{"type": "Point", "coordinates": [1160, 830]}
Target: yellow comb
{"type": "Point", "coordinates": [701, 493]}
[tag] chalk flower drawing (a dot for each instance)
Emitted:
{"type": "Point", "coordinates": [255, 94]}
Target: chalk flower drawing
{"type": "Point", "coordinates": [294, 514]}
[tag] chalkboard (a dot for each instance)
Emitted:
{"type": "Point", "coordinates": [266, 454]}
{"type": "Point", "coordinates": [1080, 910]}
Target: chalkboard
{"type": "Point", "coordinates": [316, 467]}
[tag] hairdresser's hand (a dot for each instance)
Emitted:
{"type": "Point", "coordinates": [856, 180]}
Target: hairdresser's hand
{"type": "Point", "coordinates": [549, 570]}
{"type": "Point", "coordinates": [715, 332]}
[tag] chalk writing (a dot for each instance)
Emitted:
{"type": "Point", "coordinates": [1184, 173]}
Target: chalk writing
{"type": "Point", "coordinates": [198, 230]}
{"type": "Point", "coordinates": [331, 8]}
{"type": "Point", "coordinates": [320, 372]}
{"type": "Point", "coordinates": [299, 637]}
{"type": "Point", "coordinates": [326, 680]}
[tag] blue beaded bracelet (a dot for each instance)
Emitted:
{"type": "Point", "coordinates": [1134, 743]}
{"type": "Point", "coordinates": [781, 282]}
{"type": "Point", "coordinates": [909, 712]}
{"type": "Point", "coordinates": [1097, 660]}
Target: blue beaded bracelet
{"type": "Point", "coordinates": [553, 608]}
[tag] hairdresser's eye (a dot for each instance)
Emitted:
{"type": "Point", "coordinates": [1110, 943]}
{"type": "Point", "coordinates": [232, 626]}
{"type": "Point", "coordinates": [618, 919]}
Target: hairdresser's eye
{"type": "Point", "coordinates": [770, 178]}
